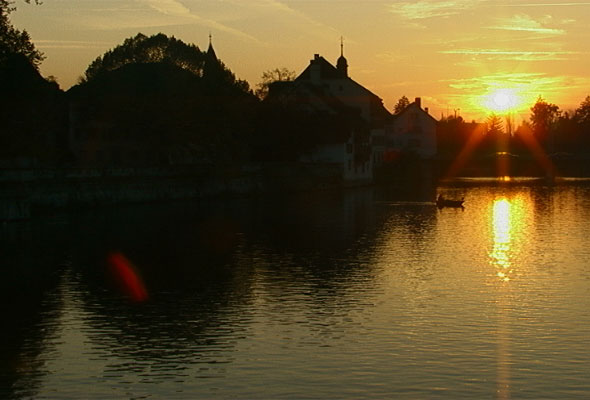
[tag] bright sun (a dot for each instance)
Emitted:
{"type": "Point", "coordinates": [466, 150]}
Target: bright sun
{"type": "Point", "coordinates": [501, 100]}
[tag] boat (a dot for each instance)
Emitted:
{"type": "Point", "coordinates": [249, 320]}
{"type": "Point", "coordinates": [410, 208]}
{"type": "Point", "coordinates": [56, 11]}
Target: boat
{"type": "Point", "coordinates": [441, 202]}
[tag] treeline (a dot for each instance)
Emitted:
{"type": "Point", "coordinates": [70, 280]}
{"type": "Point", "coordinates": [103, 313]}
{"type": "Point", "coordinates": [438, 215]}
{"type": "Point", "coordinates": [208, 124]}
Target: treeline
{"type": "Point", "coordinates": [155, 100]}
{"type": "Point", "coordinates": [548, 129]}
{"type": "Point", "coordinates": [149, 101]}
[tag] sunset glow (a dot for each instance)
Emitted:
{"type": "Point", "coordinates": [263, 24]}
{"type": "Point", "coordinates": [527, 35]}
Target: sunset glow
{"type": "Point", "coordinates": [502, 100]}
{"type": "Point", "coordinates": [470, 57]}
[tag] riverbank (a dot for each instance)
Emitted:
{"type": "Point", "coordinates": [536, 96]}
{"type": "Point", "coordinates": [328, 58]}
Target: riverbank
{"type": "Point", "coordinates": [28, 192]}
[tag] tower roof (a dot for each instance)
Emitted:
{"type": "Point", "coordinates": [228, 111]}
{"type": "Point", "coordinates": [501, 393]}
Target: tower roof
{"type": "Point", "coordinates": [210, 51]}
{"type": "Point", "coordinates": [342, 63]}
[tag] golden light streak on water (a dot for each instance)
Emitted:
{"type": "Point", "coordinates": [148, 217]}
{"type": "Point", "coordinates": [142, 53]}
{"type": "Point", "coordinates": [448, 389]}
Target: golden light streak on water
{"type": "Point", "coordinates": [507, 223]}
{"type": "Point", "coordinates": [500, 257]}
{"type": "Point", "coordinates": [502, 226]}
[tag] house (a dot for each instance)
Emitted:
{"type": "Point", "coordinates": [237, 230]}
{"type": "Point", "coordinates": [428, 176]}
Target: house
{"type": "Point", "coordinates": [350, 115]}
{"type": "Point", "coordinates": [412, 131]}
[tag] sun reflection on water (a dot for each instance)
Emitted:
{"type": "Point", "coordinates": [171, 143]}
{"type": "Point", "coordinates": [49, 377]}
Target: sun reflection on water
{"type": "Point", "coordinates": [502, 228]}
{"type": "Point", "coordinates": [507, 223]}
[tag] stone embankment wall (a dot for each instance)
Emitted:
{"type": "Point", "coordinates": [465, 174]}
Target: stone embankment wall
{"type": "Point", "coordinates": [27, 192]}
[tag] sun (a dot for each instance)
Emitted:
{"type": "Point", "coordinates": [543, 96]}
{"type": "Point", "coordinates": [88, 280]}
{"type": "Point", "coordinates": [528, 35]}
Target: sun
{"type": "Point", "coordinates": [501, 100]}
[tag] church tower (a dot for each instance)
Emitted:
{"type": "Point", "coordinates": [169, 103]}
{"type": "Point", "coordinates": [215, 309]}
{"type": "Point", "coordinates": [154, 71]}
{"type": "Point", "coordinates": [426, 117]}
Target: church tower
{"type": "Point", "coordinates": [342, 64]}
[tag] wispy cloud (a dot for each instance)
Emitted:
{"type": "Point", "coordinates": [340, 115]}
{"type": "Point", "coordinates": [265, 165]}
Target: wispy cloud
{"type": "Point", "coordinates": [524, 23]}
{"type": "Point", "coordinates": [424, 9]}
{"type": "Point", "coordinates": [517, 55]}
{"type": "Point", "coordinates": [70, 44]}
{"type": "Point", "coordinates": [169, 7]}
{"type": "Point", "coordinates": [484, 82]}
{"type": "Point", "coordinates": [546, 4]}
{"type": "Point", "coordinates": [528, 86]}
{"type": "Point", "coordinates": [278, 10]}
{"type": "Point", "coordinates": [178, 10]}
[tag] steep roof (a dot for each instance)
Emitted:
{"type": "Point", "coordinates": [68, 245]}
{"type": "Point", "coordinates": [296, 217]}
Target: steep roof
{"type": "Point", "coordinates": [414, 105]}
{"type": "Point", "coordinates": [304, 91]}
{"type": "Point", "coordinates": [326, 70]}
{"type": "Point", "coordinates": [210, 51]}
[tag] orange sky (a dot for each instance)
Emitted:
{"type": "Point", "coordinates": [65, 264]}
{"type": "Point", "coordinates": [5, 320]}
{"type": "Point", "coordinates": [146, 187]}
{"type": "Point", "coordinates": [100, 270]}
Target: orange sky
{"type": "Point", "coordinates": [454, 54]}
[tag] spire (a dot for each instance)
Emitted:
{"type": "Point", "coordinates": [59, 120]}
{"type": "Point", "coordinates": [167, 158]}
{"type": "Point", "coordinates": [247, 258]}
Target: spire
{"type": "Point", "coordinates": [210, 51]}
{"type": "Point", "coordinates": [342, 64]}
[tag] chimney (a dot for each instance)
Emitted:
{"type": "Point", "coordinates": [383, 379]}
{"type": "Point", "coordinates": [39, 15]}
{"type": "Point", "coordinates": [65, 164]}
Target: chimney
{"type": "Point", "coordinates": [426, 109]}
{"type": "Point", "coordinates": [418, 102]}
{"type": "Point", "coordinates": [315, 70]}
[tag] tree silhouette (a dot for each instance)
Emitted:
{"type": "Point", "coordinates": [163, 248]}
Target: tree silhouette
{"type": "Point", "coordinates": [13, 41]}
{"type": "Point", "coordinates": [582, 114]}
{"type": "Point", "coordinates": [273, 75]}
{"type": "Point", "coordinates": [543, 118]}
{"type": "Point", "coordinates": [160, 48]}
{"type": "Point", "coordinates": [494, 125]}
{"type": "Point", "coordinates": [32, 113]}
{"type": "Point", "coordinates": [143, 49]}
{"type": "Point", "coordinates": [402, 103]}
{"type": "Point", "coordinates": [154, 100]}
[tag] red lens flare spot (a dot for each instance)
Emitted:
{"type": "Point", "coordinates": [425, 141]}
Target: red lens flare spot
{"type": "Point", "coordinates": [127, 277]}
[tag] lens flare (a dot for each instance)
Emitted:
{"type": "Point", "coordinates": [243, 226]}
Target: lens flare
{"type": "Point", "coordinates": [126, 275]}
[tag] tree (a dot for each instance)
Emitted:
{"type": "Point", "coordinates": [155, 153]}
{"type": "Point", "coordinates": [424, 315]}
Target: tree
{"type": "Point", "coordinates": [13, 41]}
{"type": "Point", "coordinates": [33, 114]}
{"type": "Point", "coordinates": [402, 103]}
{"type": "Point", "coordinates": [582, 114]}
{"type": "Point", "coordinates": [156, 99]}
{"type": "Point", "coordinates": [143, 49]}
{"type": "Point", "coordinates": [496, 139]}
{"type": "Point", "coordinates": [160, 48]}
{"type": "Point", "coordinates": [543, 118]}
{"type": "Point", "coordinates": [273, 75]}
{"type": "Point", "coordinates": [494, 125]}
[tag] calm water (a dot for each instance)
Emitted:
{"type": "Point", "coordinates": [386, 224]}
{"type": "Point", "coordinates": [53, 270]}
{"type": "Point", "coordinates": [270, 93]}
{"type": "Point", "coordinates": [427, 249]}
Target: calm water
{"type": "Point", "coordinates": [366, 294]}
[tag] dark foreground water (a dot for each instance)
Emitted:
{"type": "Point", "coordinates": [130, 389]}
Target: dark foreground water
{"type": "Point", "coordinates": [365, 294]}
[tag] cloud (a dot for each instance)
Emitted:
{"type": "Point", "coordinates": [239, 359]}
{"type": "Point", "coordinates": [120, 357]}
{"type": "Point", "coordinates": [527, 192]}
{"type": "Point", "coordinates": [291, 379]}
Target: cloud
{"type": "Point", "coordinates": [518, 55]}
{"type": "Point", "coordinates": [278, 12]}
{"type": "Point", "coordinates": [479, 83]}
{"type": "Point", "coordinates": [529, 85]}
{"type": "Point", "coordinates": [424, 9]}
{"type": "Point", "coordinates": [169, 7]}
{"type": "Point", "coordinates": [144, 14]}
{"type": "Point", "coordinates": [469, 92]}
{"type": "Point", "coordinates": [524, 23]}
{"type": "Point", "coordinates": [547, 4]}
{"type": "Point", "coordinates": [70, 44]}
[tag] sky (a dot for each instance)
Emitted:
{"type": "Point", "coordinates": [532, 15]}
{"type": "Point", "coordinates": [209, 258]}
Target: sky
{"type": "Point", "coordinates": [464, 57]}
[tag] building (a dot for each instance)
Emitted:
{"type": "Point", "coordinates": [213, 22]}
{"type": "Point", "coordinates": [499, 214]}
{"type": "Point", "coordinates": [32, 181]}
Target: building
{"type": "Point", "coordinates": [412, 131]}
{"type": "Point", "coordinates": [353, 116]}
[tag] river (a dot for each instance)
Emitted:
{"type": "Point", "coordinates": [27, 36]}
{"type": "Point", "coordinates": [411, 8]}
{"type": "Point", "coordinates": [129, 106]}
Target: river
{"type": "Point", "coordinates": [368, 293]}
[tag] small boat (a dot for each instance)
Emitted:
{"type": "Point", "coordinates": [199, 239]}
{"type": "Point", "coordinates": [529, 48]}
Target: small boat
{"type": "Point", "coordinates": [442, 202]}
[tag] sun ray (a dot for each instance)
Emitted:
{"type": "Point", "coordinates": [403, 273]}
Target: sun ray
{"type": "Point", "coordinates": [463, 157]}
